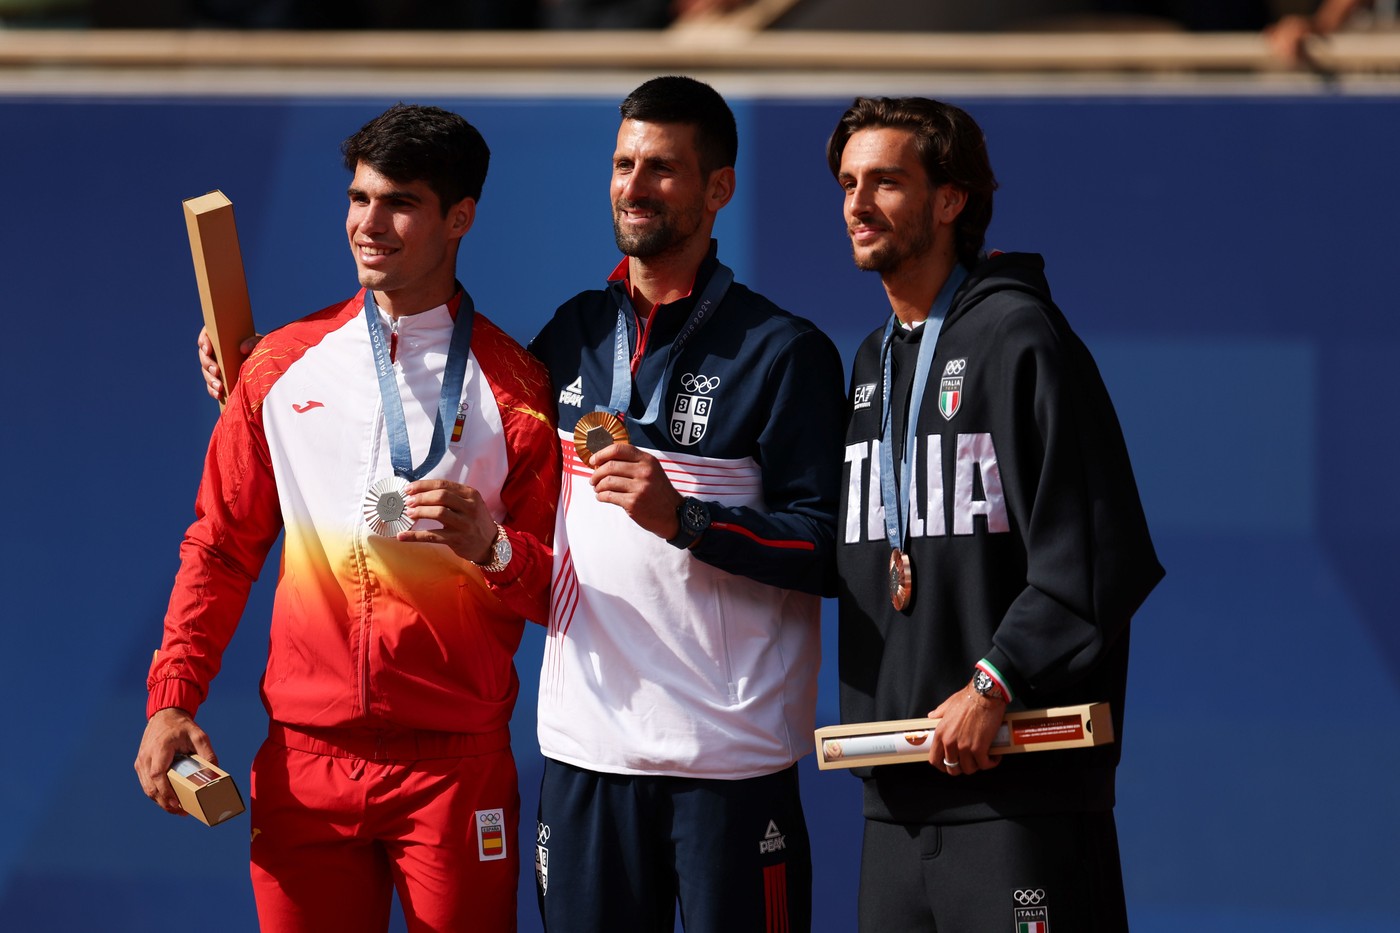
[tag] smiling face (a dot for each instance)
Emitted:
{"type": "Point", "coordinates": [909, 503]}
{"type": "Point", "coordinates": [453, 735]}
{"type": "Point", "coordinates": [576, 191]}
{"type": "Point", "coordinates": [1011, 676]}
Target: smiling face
{"type": "Point", "coordinates": [405, 248]}
{"type": "Point", "coordinates": [891, 208]}
{"type": "Point", "coordinates": [661, 200]}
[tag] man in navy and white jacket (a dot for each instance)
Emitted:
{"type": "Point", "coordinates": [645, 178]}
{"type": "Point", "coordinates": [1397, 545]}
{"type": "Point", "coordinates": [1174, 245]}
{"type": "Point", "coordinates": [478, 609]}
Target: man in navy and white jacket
{"type": "Point", "coordinates": [678, 685]}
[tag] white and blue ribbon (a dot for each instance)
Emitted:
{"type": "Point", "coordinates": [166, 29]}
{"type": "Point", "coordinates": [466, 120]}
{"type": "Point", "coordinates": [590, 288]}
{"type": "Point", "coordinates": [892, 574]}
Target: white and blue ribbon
{"type": "Point", "coordinates": [458, 352]}
{"type": "Point", "coordinates": [895, 496]}
{"type": "Point", "coordinates": [620, 398]}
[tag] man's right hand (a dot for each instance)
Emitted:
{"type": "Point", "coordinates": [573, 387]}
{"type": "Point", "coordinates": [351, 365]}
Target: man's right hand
{"type": "Point", "coordinates": [169, 732]}
{"type": "Point", "coordinates": [209, 367]}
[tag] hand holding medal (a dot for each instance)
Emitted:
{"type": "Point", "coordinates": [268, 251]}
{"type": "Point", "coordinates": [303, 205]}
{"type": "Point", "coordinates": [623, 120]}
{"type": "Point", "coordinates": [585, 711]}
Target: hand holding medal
{"type": "Point", "coordinates": [595, 431]}
{"type": "Point", "coordinates": [633, 479]}
{"type": "Point", "coordinates": [465, 522]}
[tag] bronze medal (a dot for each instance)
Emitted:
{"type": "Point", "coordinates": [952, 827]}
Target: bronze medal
{"type": "Point", "coordinates": [901, 580]}
{"type": "Point", "coordinates": [596, 430]}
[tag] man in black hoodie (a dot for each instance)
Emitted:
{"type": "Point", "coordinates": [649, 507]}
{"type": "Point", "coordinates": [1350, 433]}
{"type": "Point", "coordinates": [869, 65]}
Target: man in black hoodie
{"type": "Point", "coordinates": [993, 548]}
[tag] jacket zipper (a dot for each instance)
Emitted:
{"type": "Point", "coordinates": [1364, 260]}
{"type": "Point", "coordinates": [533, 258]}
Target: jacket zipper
{"type": "Point", "coordinates": [731, 688]}
{"type": "Point", "coordinates": [366, 584]}
{"type": "Point", "coordinates": [643, 332]}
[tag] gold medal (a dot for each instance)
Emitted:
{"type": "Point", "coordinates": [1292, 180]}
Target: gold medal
{"type": "Point", "coordinates": [901, 580]}
{"type": "Point", "coordinates": [596, 430]}
{"type": "Point", "coordinates": [385, 507]}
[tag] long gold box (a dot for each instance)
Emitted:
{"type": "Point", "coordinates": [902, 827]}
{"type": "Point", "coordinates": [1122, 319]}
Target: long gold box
{"type": "Point", "coordinates": [223, 289]}
{"type": "Point", "coordinates": [860, 745]}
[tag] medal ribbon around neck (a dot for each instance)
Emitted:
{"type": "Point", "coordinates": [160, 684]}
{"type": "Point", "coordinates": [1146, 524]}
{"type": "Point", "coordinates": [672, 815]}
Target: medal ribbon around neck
{"type": "Point", "coordinates": [895, 497]}
{"type": "Point", "coordinates": [621, 398]}
{"type": "Point", "coordinates": [458, 352]}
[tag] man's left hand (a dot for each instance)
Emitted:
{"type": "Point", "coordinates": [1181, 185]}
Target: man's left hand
{"type": "Point", "coordinates": [636, 482]}
{"type": "Point", "coordinates": [968, 723]}
{"type": "Point", "coordinates": [467, 526]}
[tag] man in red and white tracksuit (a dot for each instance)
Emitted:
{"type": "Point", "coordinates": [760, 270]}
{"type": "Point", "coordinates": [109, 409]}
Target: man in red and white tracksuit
{"type": "Point", "coordinates": [406, 447]}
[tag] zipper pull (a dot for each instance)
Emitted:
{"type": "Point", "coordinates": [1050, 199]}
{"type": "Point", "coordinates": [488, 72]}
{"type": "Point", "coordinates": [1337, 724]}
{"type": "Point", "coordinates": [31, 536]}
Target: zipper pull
{"type": "Point", "coordinates": [394, 340]}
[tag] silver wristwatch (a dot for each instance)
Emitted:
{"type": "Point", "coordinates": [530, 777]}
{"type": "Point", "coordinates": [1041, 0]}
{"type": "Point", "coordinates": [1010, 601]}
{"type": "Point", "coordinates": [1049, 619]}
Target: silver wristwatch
{"type": "Point", "coordinates": [983, 683]}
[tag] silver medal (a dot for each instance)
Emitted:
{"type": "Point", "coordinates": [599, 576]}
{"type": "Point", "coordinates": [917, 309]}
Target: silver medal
{"type": "Point", "coordinates": [385, 507]}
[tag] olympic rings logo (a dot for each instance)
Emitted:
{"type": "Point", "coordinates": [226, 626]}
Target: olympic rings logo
{"type": "Point", "coordinates": [1027, 898]}
{"type": "Point", "coordinates": [490, 817]}
{"type": "Point", "coordinates": [703, 384]}
{"type": "Point", "coordinates": [541, 834]}
{"type": "Point", "coordinates": [955, 367]}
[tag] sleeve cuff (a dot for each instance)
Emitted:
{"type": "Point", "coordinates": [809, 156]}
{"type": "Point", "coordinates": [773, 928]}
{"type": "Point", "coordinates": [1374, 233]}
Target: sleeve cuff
{"type": "Point", "coordinates": [994, 671]}
{"type": "Point", "coordinates": [173, 692]}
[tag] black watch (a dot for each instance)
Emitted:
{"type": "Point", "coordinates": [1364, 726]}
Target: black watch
{"type": "Point", "coordinates": [694, 517]}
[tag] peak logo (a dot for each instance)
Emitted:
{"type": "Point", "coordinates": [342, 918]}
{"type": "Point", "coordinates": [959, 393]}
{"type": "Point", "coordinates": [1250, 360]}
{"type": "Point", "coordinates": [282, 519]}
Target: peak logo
{"type": "Point", "coordinates": [572, 394]}
{"type": "Point", "coordinates": [773, 840]}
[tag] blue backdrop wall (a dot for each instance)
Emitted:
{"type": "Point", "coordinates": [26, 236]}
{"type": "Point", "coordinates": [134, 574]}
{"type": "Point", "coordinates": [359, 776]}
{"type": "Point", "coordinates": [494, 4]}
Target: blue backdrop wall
{"type": "Point", "coordinates": [1222, 254]}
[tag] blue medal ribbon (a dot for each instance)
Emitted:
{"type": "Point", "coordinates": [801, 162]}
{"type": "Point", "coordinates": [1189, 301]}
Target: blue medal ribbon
{"type": "Point", "coordinates": [895, 495]}
{"type": "Point", "coordinates": [458, 352]}
{"type": "Point", "coordinates": [620, 400]}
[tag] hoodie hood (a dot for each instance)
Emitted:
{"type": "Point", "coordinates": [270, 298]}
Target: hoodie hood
{"type": "Point", "coordinates": [997, 274]}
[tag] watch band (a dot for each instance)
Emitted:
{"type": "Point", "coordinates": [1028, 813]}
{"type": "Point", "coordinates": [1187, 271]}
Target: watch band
{"type": "Point", "coordinates": [693, 519]}
{"type": "Point", "coordinates": [987, 681]}
{"type": "Point", "coordinates": [500, 552]}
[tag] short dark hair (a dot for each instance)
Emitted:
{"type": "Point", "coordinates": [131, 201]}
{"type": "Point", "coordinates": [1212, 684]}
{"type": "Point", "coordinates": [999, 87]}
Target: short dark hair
{"type": "Point", "coordinates": [413, 142]}
{"type": "Point", "coordinates": [951, 147]}
{"type": "Point", "coordinates": [677, 99]}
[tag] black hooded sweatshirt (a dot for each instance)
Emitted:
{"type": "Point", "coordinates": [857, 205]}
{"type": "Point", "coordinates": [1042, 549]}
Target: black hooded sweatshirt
{"type": "Point", "coordinates": [1028, 546]}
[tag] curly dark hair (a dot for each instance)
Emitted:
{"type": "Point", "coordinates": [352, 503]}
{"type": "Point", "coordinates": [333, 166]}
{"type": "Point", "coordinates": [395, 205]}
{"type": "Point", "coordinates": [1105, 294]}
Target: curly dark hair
{"type": "Point", "coordinates": [413, 142]}
{"type": "Point", "coordinates": [950, 145]}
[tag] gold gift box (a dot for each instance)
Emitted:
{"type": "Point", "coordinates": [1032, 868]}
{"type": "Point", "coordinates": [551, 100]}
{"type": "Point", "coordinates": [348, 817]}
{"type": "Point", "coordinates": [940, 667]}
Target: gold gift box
{"type": "Point", "coordinates": [860, 745]}
{"type": "Point", "coordinates": [206, 791]}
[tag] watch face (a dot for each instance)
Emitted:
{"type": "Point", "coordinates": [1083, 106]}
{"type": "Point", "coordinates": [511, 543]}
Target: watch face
{"type": "Point", "coordinates": [982, 681]}
{"type": "Point", "coordinates": [500, 554]}
{"type": "Point", "coordinates": [696, 516]}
